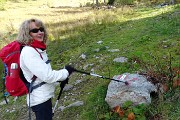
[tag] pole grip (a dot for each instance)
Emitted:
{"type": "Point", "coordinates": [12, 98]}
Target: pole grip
{"type": "Point", "coordinates": [82, 72]}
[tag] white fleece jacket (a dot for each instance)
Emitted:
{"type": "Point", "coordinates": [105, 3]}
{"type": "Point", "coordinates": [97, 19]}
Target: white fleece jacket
{"type": "Point", "coordinates": [32, 64]}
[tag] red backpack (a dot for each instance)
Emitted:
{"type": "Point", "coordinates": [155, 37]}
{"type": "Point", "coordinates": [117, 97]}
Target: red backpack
{"type": "Point", "coordinates": [16, 85]}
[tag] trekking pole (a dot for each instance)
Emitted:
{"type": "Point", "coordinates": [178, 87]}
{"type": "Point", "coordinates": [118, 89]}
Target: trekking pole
{"type": "Point", "coordinates": [62, 85]}
{"type": "Point", "coordinates": [96, 75]}
{"type": "Point", "coordinates": [5, 93]}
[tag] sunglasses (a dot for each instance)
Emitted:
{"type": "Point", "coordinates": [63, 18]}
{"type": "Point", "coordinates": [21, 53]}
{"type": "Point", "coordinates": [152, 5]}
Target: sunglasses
{"type": "Point", "coordinates": [35, 30]}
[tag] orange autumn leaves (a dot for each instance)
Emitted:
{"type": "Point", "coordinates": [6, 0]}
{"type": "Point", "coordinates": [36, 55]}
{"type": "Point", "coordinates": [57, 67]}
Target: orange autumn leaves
{"type": "Point", "coordinates": [118, 110]}
{"type": "Point", "coordinates": [131, 116]}
{"type": "Point", "coordinates": [121, 113]}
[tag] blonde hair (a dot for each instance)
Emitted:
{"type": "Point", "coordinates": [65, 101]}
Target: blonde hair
{"type": "Point", "coordinates": [24, 36]}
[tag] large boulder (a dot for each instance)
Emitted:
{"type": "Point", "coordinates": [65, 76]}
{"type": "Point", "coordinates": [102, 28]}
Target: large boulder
{"type": "Point", "coordinates": [138, 90]}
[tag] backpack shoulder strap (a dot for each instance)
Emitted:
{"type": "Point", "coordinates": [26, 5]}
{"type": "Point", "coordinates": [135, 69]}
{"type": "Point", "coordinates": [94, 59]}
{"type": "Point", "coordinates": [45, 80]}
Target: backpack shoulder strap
{"type": "Point", "coordinates": [38, 52]}
{"type": "Point", "coordinates": [31, 87]}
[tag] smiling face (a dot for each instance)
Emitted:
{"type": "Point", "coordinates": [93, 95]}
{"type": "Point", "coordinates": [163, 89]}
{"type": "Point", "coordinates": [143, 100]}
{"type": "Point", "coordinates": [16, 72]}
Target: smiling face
{"type": "Point", "coordinates": [36, 32]}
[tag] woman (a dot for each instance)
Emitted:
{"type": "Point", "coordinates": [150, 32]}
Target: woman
{"type": "Point", "coordinates": [33, 35]}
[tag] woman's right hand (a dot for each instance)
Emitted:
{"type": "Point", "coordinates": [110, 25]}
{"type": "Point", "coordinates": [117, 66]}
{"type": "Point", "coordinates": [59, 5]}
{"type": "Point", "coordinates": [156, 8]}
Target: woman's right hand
{"type": "Point", "coordinates": [70, 69]}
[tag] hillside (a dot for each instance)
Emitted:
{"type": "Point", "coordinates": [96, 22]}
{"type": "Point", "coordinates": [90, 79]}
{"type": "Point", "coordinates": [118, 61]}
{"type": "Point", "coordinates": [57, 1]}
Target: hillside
{"type": "Point", "coordinates": [84, 37]}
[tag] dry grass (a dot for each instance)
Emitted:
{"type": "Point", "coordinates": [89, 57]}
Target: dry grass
{"type": "Point", "coordinates": [14, 14]}
{"type": "Point", "coordinates": [56, 18]}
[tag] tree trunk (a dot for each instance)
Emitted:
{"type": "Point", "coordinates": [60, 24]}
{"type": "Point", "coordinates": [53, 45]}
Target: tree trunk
{"type": "Point", "coordinates": [97, 3]}
{"type": "Point", "coordinates": [111, 2]}
{"type": "Point", "coordinates": [172, 2]}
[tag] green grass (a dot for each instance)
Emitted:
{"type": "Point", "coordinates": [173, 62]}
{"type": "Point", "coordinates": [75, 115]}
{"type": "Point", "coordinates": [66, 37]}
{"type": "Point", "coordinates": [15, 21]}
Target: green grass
{"type": "Point", "coordinates": [149, 35]}
{"type": "Point", "coordinates": [148, 38]}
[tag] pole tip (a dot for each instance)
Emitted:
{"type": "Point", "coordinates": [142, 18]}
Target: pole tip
{"type": "Point", "coordinates": [126, 83]}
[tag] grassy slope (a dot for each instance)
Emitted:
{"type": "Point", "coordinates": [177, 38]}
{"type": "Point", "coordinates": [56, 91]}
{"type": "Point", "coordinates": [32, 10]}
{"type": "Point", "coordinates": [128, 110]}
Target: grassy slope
{"type": "Point", "coordinates": [135, 32]}
{"type": "Point", "coordinates": [144, 38]}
